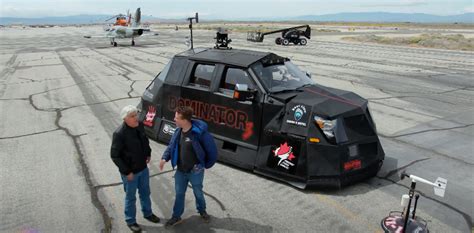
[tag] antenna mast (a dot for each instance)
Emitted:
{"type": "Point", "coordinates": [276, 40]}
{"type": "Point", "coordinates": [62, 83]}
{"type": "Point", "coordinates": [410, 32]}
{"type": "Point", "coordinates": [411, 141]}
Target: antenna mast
{"type": "Point", "coordinates": [191, 26]}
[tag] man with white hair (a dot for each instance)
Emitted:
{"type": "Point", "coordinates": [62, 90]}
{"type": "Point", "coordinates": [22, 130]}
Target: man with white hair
{"type": "Point", "coordinates": [131, 153]}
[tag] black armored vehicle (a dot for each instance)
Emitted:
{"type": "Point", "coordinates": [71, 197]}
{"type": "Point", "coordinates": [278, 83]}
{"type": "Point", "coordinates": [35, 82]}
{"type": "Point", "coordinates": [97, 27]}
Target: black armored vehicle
{"type": "Point", "coordinates": [267, 116]}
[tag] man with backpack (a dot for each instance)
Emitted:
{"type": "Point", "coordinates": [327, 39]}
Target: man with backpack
{"type": "Point", "coordinates": [192, 149]}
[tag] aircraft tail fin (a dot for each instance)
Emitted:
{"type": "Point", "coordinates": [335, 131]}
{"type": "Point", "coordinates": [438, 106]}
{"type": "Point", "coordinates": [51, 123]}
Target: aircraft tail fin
{"type": "Point", "coordinates": [137, 18]}
{"type": "Point", "coordinates": [129, 15]}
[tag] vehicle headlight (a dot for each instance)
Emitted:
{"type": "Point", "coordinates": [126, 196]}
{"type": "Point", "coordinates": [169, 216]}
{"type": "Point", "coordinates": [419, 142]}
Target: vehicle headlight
{"type": "Point", "coordinates": [327, 126]}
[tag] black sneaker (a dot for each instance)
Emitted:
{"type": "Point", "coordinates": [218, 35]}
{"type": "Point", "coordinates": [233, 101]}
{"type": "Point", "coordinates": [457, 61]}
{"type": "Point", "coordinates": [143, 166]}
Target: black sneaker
{"type": "Point", "coordinates": [135, 227]}
{"type": "Point", "coordinates": [205, 216]}
{"type": "Point", "coordinates": [173, 221]}
{"type": "Point", "coordinates": [153, 218]}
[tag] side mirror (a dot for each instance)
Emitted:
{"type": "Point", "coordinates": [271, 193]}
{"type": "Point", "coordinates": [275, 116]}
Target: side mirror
{"type": "Point", "coordinates": [241, 87]}
{"type": "Point", "coordinates": [242, 93]}
{"type": "Point", "coordinates": [308, 74]}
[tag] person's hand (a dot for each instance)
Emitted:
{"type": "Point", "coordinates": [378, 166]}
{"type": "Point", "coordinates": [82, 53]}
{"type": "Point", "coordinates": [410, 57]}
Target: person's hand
{"type": "Point", "coordinates": [148, 159]}
{"type": "Point", "coordinates": [130, 176]}
{"type": "Point", "coordinates": [162, 164]}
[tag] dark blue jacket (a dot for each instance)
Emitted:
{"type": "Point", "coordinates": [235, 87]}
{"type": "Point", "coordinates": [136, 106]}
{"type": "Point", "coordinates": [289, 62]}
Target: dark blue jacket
{"type": "Point", "coordinates": [203, 145]}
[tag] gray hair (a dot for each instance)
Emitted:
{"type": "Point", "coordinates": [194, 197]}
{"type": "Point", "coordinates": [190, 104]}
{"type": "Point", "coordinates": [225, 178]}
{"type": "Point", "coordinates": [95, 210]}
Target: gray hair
{"type": "Point", "coordinates": [127, 110]}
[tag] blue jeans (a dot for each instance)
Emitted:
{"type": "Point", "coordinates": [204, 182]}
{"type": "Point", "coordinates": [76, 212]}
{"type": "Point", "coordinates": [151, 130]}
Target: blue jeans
{"type": "Point", "coordinates": [181, 179]}
{"type": "Point", "coordinates": [141, 181]}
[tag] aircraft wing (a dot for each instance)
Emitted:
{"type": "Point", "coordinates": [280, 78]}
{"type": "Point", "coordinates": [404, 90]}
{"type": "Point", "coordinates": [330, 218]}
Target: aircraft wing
{"type": "Point", "coordinates": [149, 34]}
{"type": "Point", "coordinates": [138, 28]}
{"type": "Point", "coordinates": [88, 37]}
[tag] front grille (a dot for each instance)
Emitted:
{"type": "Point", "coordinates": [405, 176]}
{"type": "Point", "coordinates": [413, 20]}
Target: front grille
{"type": "Point", "coordinates": [358, 126]}
{"type": "Point", "coordinates": [345, 179]}
{"type": "Point", "coordinates": [359, 175]}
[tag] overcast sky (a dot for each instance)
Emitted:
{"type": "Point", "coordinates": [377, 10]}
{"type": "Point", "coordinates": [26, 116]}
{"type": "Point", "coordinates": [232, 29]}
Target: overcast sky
{"type": "Point", "coordinates": [228, 9]}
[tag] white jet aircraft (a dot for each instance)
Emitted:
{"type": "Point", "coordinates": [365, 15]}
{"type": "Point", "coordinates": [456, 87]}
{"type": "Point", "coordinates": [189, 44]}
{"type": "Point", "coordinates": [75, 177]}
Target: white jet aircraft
{"type": "Point", "coordinates": [121, 30]}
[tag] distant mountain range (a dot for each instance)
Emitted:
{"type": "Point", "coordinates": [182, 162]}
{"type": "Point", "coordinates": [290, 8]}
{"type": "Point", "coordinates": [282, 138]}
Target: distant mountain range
{"type": "Point", "coordinates": [389, 17]}
{"type": "Point", "coordinates": [339, 17]}
{"type": "Point", "coordinates": [74, 19]}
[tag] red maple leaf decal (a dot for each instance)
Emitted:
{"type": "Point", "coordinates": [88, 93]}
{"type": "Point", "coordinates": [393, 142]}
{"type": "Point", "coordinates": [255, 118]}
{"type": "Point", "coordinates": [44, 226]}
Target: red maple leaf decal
{"type": "Point", "coordinates": [291, 156]}
{"type": "Point", "coordinates": [283, 150]}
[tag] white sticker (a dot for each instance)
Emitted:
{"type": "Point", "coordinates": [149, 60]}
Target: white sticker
{"type": "Point", "coordinates": [168, 129]}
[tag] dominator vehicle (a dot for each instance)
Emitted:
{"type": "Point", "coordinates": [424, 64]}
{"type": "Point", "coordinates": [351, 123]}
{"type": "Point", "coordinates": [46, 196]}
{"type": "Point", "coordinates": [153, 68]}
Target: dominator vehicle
{"type": "Point", "coordinates": [267, 116]}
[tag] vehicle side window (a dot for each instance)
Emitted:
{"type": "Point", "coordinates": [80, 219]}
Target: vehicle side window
{"type": "Point", "coordinates": [236, 76]}
{"type": "Point", "coordinates": [156, 84]}
{"type": "Point", "coordinates": [176, 70]}
{"type": "Point", "coordinates": [162, 75]}
{"type": "Point", "coordinates": [202, 75]}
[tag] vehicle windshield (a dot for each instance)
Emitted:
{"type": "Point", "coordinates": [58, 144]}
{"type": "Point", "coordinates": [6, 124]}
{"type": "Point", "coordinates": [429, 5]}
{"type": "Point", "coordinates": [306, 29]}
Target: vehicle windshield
{"type": "Point", "coordinates": [281, 77]}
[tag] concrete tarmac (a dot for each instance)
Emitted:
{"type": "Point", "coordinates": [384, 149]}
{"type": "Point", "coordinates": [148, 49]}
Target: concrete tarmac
{"type": "Point", "coordinates": [60, 97]}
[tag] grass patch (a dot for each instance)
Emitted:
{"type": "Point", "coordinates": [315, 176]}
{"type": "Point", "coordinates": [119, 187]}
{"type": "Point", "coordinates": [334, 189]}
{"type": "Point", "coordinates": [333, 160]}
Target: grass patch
{"type": "Point", "coordinates": [436, 40]}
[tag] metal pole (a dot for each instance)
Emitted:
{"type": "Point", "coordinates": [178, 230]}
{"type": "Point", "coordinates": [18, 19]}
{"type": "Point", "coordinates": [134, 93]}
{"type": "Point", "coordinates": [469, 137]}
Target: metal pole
{"type": "Point", "coordinates": [414, 208]}
{"type": "Point", "coordinates": [191, 28]}
{"type": "Point", "coordinates": [407, 215]}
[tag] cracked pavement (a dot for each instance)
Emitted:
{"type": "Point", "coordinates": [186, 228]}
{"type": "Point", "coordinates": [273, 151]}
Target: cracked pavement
{"type": "Point", "coordinates": [60, 102]}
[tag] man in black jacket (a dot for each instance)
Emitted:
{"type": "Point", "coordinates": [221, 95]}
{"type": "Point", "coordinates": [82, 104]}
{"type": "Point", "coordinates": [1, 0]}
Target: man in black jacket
{"type": "Point", "coordinates": [131, 152]}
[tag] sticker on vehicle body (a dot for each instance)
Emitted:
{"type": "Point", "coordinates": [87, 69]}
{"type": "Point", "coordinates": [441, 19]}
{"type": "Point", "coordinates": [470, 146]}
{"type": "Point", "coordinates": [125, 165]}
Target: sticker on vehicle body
{"type": "Point", "coordinates": [168, 129]}
{"type": "Point", "coordinates": [248, 132]}
{"type": "Point", "coordinates": [285, 154]}
{"type": "Point", "coordinates": [148, 94]}
{"type": "Point", "coordinates": [150, 116]}
{"type": "Point", "coordinates": [299, 116]}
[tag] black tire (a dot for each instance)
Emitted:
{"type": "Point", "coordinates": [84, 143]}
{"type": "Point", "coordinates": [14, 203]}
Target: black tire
{"type": "Point", "coordinates": [278, 40]}
{"type": "Point", "coordinates": [285, 42]}
{"type": "Point", "coordinates": [115, 44]}
{"type": "Point", "coordinates": [303, 41]}
{"type": "Point", "coordinates": [133, 43]}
